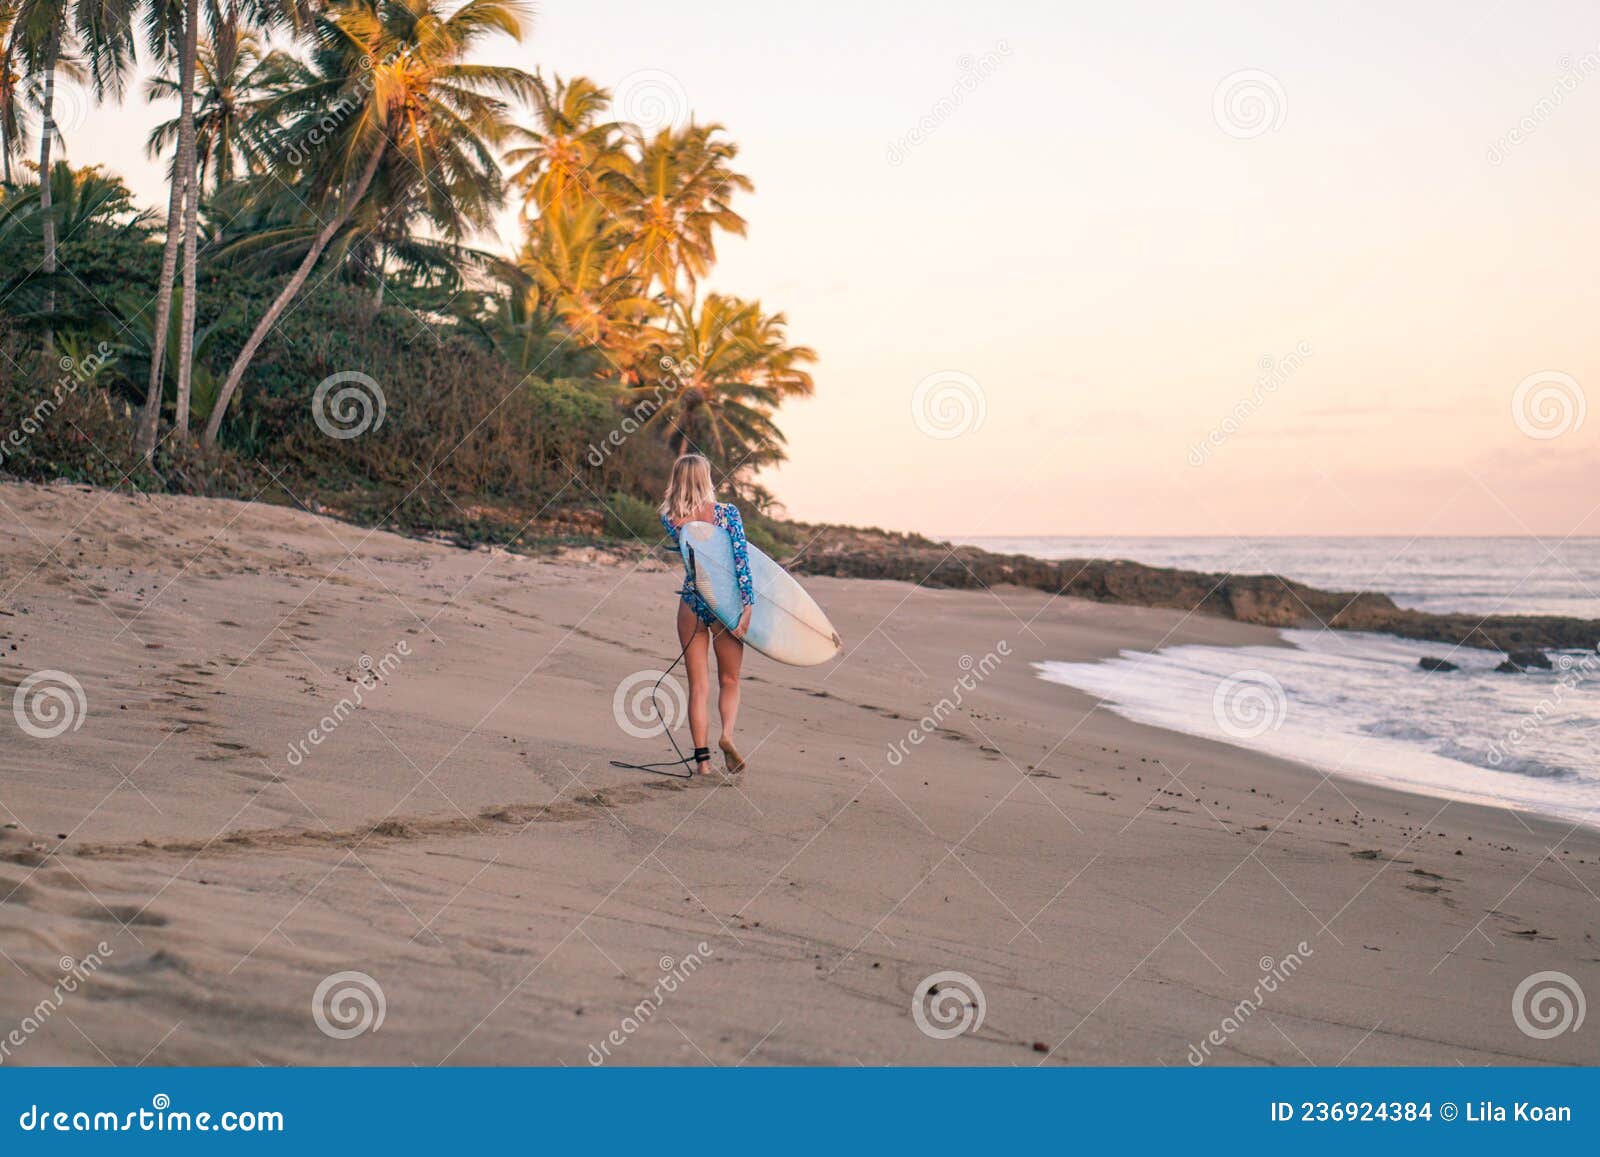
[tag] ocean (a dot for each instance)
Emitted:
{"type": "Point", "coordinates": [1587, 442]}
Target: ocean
{"type": "Point", "coordinates": [1359, 705]}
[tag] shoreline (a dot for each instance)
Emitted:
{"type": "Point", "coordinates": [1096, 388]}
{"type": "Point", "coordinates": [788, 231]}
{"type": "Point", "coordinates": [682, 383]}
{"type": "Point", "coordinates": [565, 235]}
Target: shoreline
{"type": "Point", "coordinates": [459, 839]}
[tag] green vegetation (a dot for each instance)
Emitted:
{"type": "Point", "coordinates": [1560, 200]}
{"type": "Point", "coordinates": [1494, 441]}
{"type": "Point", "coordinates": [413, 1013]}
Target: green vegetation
{"type": "Point", "coordinates": [311, 320]}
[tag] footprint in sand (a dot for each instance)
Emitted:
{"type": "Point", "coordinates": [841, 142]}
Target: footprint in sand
{"type": "Point", "coordinates": [124, 914]}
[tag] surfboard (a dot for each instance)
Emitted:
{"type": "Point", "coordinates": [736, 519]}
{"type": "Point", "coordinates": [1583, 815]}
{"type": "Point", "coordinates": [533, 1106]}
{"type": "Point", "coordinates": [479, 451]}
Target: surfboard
{"type": "Point", "coordinates": [786, 623]}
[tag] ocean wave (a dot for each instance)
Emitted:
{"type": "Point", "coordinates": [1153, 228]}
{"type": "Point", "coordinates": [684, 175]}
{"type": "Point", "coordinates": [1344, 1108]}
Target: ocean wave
{"type": "Point", "coordinates": [1361, 706]}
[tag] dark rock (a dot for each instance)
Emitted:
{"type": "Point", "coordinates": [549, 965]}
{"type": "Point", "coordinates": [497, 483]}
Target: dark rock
{"type": "Point", "coordinates": [1428, 663]}
{"type": "Point", "coordinates": [1262, 599]}
{"type": "Point", "coordinates": [1519, 661]}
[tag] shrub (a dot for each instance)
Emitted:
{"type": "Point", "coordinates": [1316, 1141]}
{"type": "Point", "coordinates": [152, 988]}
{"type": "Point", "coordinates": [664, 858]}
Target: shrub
{"type": "Point", "coordinates": [628, 517]}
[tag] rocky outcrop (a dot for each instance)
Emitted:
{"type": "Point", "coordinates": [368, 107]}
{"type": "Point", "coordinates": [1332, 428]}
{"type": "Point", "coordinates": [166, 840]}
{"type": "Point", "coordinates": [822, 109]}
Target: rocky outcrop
{"type": "Point", "coordinates": [1429, 663]}
{"type": "Point", "coordinates": [1520, 661]}
{"type": "Point", "coordinates": [1264, 599]}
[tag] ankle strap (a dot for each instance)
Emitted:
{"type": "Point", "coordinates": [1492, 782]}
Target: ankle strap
{"type": "Point", "coordinates": [702, 755]}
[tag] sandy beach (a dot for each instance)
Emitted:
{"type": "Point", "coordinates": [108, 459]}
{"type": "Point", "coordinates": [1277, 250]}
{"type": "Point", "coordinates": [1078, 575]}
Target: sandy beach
{"type": "Point", "coordinates": [457, 835]}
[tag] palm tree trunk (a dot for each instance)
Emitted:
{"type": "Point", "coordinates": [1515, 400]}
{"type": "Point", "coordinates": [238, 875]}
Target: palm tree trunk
{"type": "Point", "coordinates": [270, 318]}
{"type": "Point", "coordinates": [11, 112]}
{"type": "Point", "coordinates": [46, 202]}
{"type": "Point", "coordinates": [150, 420]}
{"type": "Point", "coordinates": [186, 160]}
{"type": "Point", "coordinates": [8, 98]}
{"type": "Point", "coordinates": [383, 259]}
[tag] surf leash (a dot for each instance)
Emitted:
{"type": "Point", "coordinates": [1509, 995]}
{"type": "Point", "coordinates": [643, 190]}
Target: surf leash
{"type": "Point", "coordinates": [682, 760]}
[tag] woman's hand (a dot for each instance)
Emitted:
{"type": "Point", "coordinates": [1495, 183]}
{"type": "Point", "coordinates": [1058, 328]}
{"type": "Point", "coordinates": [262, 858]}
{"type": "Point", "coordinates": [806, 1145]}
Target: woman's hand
{"type": "Point", "coordinates": [744, 623]}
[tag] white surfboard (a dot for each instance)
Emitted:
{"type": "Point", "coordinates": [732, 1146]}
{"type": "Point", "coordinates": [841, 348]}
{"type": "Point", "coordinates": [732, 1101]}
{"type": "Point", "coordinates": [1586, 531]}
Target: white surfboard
{"type": "Point", "coordinates": [786, 624]}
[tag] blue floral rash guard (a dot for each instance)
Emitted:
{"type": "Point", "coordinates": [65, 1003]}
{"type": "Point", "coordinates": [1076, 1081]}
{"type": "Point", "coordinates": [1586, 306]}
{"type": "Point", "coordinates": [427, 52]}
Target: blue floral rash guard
{"type": "Point", "coordinates": [727, 517]}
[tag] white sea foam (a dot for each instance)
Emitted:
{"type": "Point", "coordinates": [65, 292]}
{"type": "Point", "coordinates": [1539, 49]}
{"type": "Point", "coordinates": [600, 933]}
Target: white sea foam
{"type": "Point", "coordinates": [1359, 705]}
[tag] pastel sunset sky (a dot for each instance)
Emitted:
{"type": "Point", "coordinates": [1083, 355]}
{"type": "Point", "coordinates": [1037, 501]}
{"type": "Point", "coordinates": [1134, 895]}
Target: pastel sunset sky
{"type": "Point", "coordinates": [1099, 228]}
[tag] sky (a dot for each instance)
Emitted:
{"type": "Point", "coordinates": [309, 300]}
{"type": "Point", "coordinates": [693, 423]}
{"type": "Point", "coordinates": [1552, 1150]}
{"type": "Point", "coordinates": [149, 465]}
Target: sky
{"type": "Point", "coordinates": [1141, 268]}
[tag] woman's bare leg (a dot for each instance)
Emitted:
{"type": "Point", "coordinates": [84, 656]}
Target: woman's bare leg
{"type": "Point", "coordinates": [730, 658]}
{"type": "Point", "coordinates": [692, 637]}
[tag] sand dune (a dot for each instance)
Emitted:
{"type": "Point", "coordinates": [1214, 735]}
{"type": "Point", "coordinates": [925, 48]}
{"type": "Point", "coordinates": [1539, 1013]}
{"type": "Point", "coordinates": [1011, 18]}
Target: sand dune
{"type": "Point", "coordinates": [306, 750]}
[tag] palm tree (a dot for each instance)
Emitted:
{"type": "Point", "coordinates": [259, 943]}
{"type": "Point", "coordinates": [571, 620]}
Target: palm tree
{"type": "Point", "coordinates": [675, 198]}
{"type": "Point", "coordinates": [733, 367]}
{"type": "Point", "coordinates": [167, 26]}
{"type": "Point", "coordinates": [84, 203]}
{"type": "Point", "coordinates": [391, 91]}
{"type": "Point", "coordinates": [574, 262]}
{"type": "Point", "coordinates": [18, 98]}
{"type": "Point", "coordinates": [571, 152]}
{"type": "Point", "coordinates": [12, 125]}
{"type": "Point", "coordinates": [234, 71]}
{"type": "Point", "coordinates": [173, 27]}
{"type": "Point", "coordinates": [42, 30]}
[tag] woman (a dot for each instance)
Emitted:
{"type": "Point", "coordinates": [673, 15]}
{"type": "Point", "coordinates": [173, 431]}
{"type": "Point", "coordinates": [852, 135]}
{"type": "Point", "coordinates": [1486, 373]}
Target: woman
{"type": "Point", "coordinates": [692, 498]}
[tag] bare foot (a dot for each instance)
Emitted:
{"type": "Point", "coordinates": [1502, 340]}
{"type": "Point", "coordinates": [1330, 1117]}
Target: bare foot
{"type": "Point", "coordinates": [731, 754]}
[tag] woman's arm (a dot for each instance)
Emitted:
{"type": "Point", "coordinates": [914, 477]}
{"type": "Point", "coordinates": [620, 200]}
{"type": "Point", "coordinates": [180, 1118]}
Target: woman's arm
{"type": "Point", "coordinates": [741, 554]}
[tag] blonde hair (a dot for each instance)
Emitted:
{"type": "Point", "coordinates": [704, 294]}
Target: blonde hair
{"type": "Point", "coordinates": [690, 489]}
